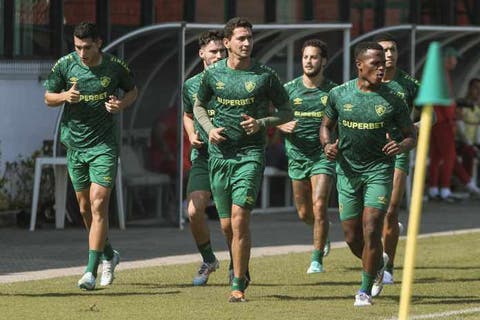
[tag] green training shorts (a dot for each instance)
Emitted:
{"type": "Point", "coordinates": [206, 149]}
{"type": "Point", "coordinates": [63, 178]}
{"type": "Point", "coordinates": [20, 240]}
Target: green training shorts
{"type": "Point", "coordinates": [356, 191]}
{"type": "Point", "coordinates": [92, 165]}
{"type": "Point", "coordinates": [402, 162]}
{"type": "Point", "coordinates": [198, 178]}
{"type": "Point", "coordinates": [235, 181]}
{"type": "Point", "coordinates": [302, 169]}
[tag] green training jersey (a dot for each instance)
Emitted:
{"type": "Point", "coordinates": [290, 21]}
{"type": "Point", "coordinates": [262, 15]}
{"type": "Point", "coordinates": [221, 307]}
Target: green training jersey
{"type": "Point", "coordinates": [405, 86]}
{"type": "Point", "coordinates": [190, 88]}
{"type": "Point", "coordinates": [87, 124]}
{"type": "Point", "coordinates": [239, 92]}
{"type": "Point", "coordinates": [308, 106]}
{"type": "Point", "coordinates": [363, 119]}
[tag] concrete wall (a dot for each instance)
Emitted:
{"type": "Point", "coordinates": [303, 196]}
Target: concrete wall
{"type": "Point", "coordinates": [25, 121]}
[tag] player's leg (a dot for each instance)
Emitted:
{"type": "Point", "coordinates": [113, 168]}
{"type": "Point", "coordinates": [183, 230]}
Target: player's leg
{"type": "Point", "coordinates": [391, 230]}
{"type": "Point", "coordinates": [378, 189]}
{"type": "Point", "coordinates": [246, 176]}
{"type": "Point", "coordinates": [102, 170]}
{"type": "Point", "coordinates": [302, 195]}
{"type": "Point", "coordinates": [321, 185]}
{"type": "Point", "coordinates": [198, 190]}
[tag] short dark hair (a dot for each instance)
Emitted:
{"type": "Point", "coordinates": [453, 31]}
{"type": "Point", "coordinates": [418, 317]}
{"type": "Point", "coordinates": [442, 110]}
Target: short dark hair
{"type": "Point", "coordinates": [362, 47]}
{"type": "Point", "coordinates": [210, 35]}
{"type": "Point", "coordinates": [385, 36]}
{"type": "Point", "coordinates": [317, 43]}
{"type": "Point", "coordinates": [234, 23]}
{"type": "Point", "coordinates": [85, 30]}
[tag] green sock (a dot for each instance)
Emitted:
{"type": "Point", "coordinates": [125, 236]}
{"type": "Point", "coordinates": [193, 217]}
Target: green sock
{"type": "Point", "coordinates": [107, 251]}
{"type": "Point", "coordinates": [207, 252]}
{"type": "Point", "coordinates": [317, 255]}
{"type": "Point", "coordinates": [389, 268]}
{"type": "Point", "coordinates": [367, 282]}
{"type": "Point", "coordinates": [93, 261]}
{"type": "Point", "coordinates": [238, 284]}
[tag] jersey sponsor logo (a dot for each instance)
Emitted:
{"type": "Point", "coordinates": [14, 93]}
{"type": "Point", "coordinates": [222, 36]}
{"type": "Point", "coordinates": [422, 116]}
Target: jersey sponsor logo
{"type": "Point", "coordinates": [220, 85]}
{"type": "Point", "coordinates": [309, 114]}
{"type": "Point", "coordinates": [401, 94]}
{"type": "Point", "coordinates": [105, 81]}
{"type": "Point", "coordinates": [362, 125]}
{"type": "Point", "coordinates": [93, 97]}
{"type": "Point", "coordinates": [73, 80]}
{"type": "Point", "coordinates": [250, 86]}
{"type": "Point", "coordinates": [347, 107]}
{"type": "Point", "coordinates": [236, 102]}
{"type": "Point", "coordinates": [324, 100]}
{"type": "Point", "coordinates": [297, 101]}
{"type": "Point", "coordinates": [380, 110]}
{"type": "Point", "coordinates": [107, 179]}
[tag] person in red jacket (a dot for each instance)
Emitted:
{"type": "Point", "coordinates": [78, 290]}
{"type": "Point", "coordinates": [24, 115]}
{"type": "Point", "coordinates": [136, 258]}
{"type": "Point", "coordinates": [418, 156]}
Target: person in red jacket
{"type": "Point", "coordinates": [442, 141]}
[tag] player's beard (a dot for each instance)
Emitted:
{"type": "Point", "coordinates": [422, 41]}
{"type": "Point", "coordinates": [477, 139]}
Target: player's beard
{"type": "Point", "coordinates": [313, 73]}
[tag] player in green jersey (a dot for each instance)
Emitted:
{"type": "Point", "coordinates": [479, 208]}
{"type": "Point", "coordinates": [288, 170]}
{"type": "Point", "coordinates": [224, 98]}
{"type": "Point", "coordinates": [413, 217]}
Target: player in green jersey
{"type": "Point", "coordinates": [86, 81]}
{"type": "Point", "coordinates": [198, 187]}
{"type": "Point", "coordinates": [407, 87]}
{"type": "Point", "coordinates": [366, 111]}
{"type": "Point", "coordinates": [242, 89]}
{"type": "Point", "coordinates": [311, 172]}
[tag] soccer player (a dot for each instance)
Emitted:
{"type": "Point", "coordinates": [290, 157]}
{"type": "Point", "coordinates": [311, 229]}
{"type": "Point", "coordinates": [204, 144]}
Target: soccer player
{"type": "Point", "coordinates": [366, 112]}
{"type": "Point", "coordinates": [242, 89]}
{"type": "Point", "coordinates": [198, 187]}
{"type": "Point", "coordinates": [311, 172]}
{"type": "Point", "coordinates": [86, 81]}
{"type": "Point", "coordinates": [407, 87]}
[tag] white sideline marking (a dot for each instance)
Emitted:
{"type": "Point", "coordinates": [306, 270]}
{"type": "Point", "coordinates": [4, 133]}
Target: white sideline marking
{"type": "Point", "coordinates": [441, 314]}
{"type": "Point", "coordinates": [187, 258]}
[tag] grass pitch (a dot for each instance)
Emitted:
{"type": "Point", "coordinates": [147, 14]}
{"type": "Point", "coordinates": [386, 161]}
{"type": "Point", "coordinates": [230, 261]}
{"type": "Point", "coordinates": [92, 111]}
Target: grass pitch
{"type": "Point", "coordinates": [447, 278]}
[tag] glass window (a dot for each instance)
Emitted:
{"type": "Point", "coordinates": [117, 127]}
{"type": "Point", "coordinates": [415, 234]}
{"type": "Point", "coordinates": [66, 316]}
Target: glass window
{"type": "Point", "coordinates": [168, 11]}
{"type": "Point", "coordinates": [32, 34]}
{"type": "Point", "coordinates": [74, 12]}
{"type": "Point", "coordinates": [209, 11]}
{"type": "Point", "coordinates": [253, 9]}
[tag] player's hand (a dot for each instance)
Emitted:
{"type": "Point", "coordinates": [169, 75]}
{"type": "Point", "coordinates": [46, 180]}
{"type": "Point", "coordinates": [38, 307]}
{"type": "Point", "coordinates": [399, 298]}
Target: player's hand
{"type": "Point", "coordinates": [72, 95]}
{"type": "Point", "coordinates": [331, 150]}
{"type": "Point", "coordinates": [250, 125]}
{"type": "Point", "coordinates": [195, 141]}
{"type": "Point", "coordinates": [113, 105]}
{"type": "Point", "coordinates": [215, 135]}
{"type": "Point", "coordinates": [288, 127]}
{"type": "Point", "coordinates": [392, 147]}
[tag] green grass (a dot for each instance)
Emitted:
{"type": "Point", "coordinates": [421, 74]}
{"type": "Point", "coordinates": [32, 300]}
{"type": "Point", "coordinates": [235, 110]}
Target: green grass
{"type": "Point", "coordinates": [447, 278]}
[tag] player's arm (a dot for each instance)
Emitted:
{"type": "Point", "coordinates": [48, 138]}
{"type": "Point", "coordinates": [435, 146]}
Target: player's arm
{"type": "Point", "coordinates": [409, 142]}
{"type": "Point", "coordinates": [201, 114]}
{"type": "Point", "coordinates": [54, 99]}
{"type": "Point", "coordinates": [330, 148]}
{"type": "Point", "coordinates": [188, 125]}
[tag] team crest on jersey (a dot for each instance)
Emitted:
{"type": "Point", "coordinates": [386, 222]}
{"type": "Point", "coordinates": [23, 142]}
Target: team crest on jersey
{"type": "Point", "coordinates": [379, 109]}
{"type": "Point", "coordinates": [73, 80]}
{"type": "Point", "coordinates": [401, 94]}
{"type": "Point", "coordinates": [220, 85]}
{"type": "Point", "coordinates": [249, 85]}
{"type": "Point", "coordinates": [105, 81]}
{"type": "Point", "coordinates": [324, 100]}
{"type": "Point", "coordinates": [347, 107]}
{"type": "Point", "coordinates": [297, 101]}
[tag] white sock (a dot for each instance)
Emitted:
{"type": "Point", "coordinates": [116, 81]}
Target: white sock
{"type": "Point", "coordinates": [433, 192]}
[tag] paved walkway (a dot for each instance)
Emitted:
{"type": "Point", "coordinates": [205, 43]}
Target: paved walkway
{"type": "Point", "coordinates": [26, 255]}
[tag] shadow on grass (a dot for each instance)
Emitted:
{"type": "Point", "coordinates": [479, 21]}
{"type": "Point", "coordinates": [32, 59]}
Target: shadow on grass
{"type": "Point", "coordinates": [85, 293]}
{"type": "Point", "coordinates": [307, 298]}
{"type": "Point", "coordinates": [440, 280]}
{"type": "Point", "coordinates": [428, 299]}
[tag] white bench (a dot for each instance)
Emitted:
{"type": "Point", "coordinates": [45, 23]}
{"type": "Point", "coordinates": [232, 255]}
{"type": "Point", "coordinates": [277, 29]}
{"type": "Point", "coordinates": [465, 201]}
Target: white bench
{"type": "Point", "coordinates": [60, 169]}
{"type": "Point", "coordinates": [268, 174]}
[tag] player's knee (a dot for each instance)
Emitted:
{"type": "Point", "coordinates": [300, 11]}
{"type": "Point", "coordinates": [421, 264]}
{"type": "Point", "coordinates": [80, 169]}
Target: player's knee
{"type": "Point", "coordinates": [305, 215]}
{"type": "Point", "coordinates": [99, 205]}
